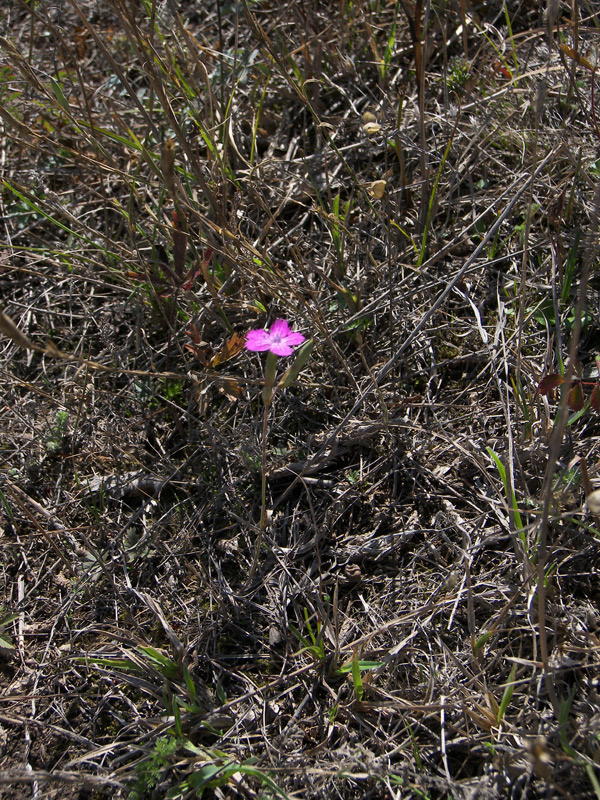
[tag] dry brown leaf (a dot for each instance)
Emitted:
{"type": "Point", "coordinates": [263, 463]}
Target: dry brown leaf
{"type": "Point", "coordinates": [8, 328]}
{"type": "Point", "coordinates": [230, 349]}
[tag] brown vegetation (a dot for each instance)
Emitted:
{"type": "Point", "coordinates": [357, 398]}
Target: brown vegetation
{"type": "Point", "coordinates": [414, 186]}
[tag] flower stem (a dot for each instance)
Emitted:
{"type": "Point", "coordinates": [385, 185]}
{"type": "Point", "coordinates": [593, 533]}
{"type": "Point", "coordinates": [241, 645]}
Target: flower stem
{"type": "Point", "coordinates": [263, 469]}
{"type": "Point", "coordinates": [263, 491]}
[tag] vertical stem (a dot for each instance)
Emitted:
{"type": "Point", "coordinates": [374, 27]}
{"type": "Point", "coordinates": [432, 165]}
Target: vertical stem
{"type": "Point", "coordinates": [560, 425]}
{"type": "Point", "coordinates": [263, 494]}
{"type": "Point", "coordinates": [414, 15]}
{"type": "Point", "coordinates": [263, 490]}
{"type": "Point", "coordinates": [538, 109]}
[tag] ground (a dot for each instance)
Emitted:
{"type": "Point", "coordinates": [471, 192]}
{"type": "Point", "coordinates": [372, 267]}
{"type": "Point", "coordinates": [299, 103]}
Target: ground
{"type": "Point", "coordinates": [374, 575]}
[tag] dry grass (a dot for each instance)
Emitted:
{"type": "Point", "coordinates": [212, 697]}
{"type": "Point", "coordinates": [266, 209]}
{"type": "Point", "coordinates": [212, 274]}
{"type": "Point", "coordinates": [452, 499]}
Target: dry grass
{"type": "Point", "coordinates": [415, 190]}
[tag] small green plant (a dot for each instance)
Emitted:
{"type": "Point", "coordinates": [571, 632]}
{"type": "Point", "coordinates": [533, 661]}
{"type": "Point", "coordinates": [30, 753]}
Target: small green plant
{"type": "Point", "coordinates": [543, 313]}
{"type": "Point", "coordinates": [525, 404]}
{"type": "Point", "coordinates": [433, 195]}
{"type": "Point", "coordinates": [278, 341]}
{"type": "Point", "coordinates": [563, 718]}
{"type": "Point", "coordinates": [55, 439]}
{"type": "Point", "coordinates": [168, 679]}
{"type": "Point", "coordinates": [357, 666]}
{"type": "Point", "coordinates": [458, 75]}
{"type": "Point", "coordinates": [209, 769]}
{"type": "Point", "coordinates": [213, 769]}
{"type": "Point", "coordinates": [353, 476]}
{"type": "Point", "coordinates": [415, 748]}
{"type": "Point", "coordinates": [337, 229]}
{"type": "Point", "coordinates": [575, 398]}
{"type": "Point", "coordinates": [384, 64]}
{"type": "Point", "coordinates": [314, 644]}
{"type": "Point", "coordinates": [151, 770]}
{"type": "Point", "coordinates": [510, 497]}
{"type": "Point", "coordinates": [5, 621]}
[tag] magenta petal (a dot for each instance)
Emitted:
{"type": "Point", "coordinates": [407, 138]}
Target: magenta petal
{"type": "Point", "coordinates": [294, 337]}
{"type": "Point", "coordinates": [281, 349]}
{"type": "Point", "coordinates": [280, 328]}
{"type": "Point", "coordinates": [258, 340]}
{"type": "Point", "coordinates": [280, 339]}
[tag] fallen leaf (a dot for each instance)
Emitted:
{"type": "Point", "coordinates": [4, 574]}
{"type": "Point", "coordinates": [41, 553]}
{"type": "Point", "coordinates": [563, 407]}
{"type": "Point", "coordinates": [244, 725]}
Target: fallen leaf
{"type": "Point", "coordinates": [230, 349]}
{"type": "Point", "coordinates": [371, 128]}
{"type": "Point", "coordinates": [377, 189]}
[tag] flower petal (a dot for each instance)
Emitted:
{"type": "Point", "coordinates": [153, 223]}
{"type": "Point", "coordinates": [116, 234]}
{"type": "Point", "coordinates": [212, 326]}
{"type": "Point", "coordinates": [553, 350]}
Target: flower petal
{"type": "Point", "coordinates": [258, 340]}
{"type": "Point", "coordinates": [280, 328]}
{"type": "Point", "coordinates": [281, 349]}
{"type": "Point", "coordinates": [279, 339]}
{"type": "Point", "coordinates": [294, 338]}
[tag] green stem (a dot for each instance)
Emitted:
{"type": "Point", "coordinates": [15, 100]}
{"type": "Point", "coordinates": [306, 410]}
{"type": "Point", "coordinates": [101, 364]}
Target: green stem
{"type": "Point", "coordinates": [263, 488]}
{"type": "Point", "coordinates": [263, 467]}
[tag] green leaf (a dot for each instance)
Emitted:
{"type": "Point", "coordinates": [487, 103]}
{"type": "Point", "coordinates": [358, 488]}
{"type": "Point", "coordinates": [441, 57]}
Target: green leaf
{"type": "Point", "coordinates": [362, 665]}
{"type": "Point", "coordinates": [302, 356]}
{"type": "Point", "coordinates": [114, 663]}
{"type": "Point", "coordinates": [510, 495]}
{"type": "Point", "coordinates": [34, 207]}
{"type": "Point", "coordinates": [59, 95]}
{"type": "Point", "coordinates": [508, 693]}
{"type": "Point", "coordinates": [357, 679]}
{"type": "Point", "coordinates": [7, 620]}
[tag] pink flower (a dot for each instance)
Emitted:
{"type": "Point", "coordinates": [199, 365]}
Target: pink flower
{"type": "Point", "coordinates": [279, 339]}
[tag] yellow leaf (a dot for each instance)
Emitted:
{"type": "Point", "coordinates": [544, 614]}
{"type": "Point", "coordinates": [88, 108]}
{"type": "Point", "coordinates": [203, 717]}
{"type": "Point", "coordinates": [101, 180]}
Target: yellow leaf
{"type": "Point", "coordinates": [371, 128]}
{"type": "Point", "coordinates": [377, 189]}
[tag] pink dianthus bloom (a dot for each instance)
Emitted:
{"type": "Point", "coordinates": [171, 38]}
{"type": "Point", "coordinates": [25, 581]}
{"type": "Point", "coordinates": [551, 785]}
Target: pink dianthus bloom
{"type": "Point", "coordinates": [279, 339]}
